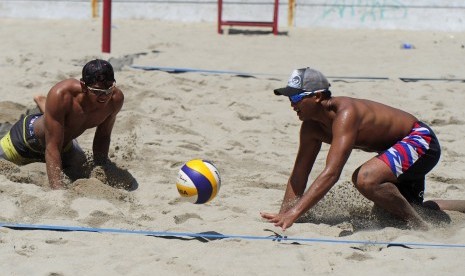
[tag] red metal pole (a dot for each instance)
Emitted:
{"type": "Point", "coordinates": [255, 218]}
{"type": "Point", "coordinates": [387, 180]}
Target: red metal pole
{"type": "Point", "coordinates": [275, 17]}
{"type": "Point", "coordinates": [106, 34]}
{"type": "Point", "coordinates": [220, 15]}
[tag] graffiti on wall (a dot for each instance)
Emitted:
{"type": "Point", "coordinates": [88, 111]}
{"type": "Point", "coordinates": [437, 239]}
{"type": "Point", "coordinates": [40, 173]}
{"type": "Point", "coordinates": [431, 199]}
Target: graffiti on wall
{"type": "Point", "coordinates": [365, 10]}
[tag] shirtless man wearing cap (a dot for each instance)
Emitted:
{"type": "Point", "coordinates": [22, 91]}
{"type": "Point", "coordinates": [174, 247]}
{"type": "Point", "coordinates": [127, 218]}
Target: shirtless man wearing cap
{"type": "Point", "coordinates": [394, 179]}
{"type": "Point", "coordinates": [71, 107]}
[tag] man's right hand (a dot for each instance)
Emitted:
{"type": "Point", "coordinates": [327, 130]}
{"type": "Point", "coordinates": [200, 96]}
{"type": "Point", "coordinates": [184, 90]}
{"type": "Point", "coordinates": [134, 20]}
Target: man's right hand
{"type": "Point", "coordinates": [283, 220]}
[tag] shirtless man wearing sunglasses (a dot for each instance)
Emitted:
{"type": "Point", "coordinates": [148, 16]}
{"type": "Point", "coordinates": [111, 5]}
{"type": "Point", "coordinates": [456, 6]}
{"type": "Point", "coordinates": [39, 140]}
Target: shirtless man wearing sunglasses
{"type": "Point", "coordinates": [70, 107]}
{"type": "Point", "coordinates": [394, 179]}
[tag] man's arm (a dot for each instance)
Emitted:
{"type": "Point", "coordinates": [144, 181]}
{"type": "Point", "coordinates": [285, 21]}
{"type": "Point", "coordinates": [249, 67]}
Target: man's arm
{"type": "Point", "coordinates": [57, 104]}
{"type": "Point", "coordinates": [102, 138]}
{"type": "Point", "coordinates": [344, 129]}
{"type": "Point", "coordinates": [344, 135]}
{"type": "Point", "coordinates": [309, 147]}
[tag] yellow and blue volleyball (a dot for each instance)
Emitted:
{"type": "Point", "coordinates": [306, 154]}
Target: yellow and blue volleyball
{"type": "Point", "coordinates": [198, 181]}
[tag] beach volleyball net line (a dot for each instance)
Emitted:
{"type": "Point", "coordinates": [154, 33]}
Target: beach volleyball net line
{"type": "Point", "coordinates": [211, 235]}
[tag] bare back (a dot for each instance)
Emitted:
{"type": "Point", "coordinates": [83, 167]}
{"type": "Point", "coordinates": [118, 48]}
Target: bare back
{"type": "Point", "coordinates": [376, 126]}
{"type": "Point", "coordinates": [70, 107]}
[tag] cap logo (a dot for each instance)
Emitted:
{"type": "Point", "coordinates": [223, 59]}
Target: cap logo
{"type": "Point", "coordinates": [295, 81]}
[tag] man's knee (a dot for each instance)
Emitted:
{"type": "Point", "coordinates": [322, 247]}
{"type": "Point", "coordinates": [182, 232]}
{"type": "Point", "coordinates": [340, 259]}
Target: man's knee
{"type": "Point", "coordinates": [372, 174]}
{"type": "Point", "coordinates": [362, 180]}
{"type": "Point", "coordinates": [355, 175]}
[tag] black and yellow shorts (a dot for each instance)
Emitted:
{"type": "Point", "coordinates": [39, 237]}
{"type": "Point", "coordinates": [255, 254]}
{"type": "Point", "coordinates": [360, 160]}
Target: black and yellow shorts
{"type": "Point", "coordinates": [20, 145]}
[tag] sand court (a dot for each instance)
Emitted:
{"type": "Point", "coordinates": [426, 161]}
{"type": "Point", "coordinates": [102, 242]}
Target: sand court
{"type": "Point", "coordinates": [251, 136]}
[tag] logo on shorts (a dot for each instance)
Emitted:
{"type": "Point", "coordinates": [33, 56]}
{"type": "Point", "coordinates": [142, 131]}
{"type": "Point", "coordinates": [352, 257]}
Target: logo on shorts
{"type": "Point", "coordinates": [421, 194]}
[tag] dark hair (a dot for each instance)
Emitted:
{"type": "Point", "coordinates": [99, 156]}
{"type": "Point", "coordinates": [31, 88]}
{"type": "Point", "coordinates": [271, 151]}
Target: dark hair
{"type": "Point", "coordinates": [98, 71]}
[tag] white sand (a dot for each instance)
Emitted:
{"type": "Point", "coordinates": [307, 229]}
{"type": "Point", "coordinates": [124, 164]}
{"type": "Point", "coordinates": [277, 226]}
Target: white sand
{"type": "Point", "coordinates": [251, 135]}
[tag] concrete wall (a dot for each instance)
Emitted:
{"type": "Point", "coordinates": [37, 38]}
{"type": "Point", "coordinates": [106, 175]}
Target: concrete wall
{"type": "Point", "coordinates": [384, 14]}
{"type": "Point", "coordinates": [373, 14]}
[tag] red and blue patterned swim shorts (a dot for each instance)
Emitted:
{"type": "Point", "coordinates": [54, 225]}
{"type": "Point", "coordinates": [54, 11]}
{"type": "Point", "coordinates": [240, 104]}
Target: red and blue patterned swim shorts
{"type": "Point", "coordinates": [411, 159]}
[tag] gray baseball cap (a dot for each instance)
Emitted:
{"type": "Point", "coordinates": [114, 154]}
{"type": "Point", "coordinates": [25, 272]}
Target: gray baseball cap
{"type": "Point", "coordinates": [303, 79]}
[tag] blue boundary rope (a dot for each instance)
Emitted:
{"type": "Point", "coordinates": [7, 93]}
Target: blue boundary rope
{"type": "Point", "coordinates": [219, 236]}
{"type": "Point", "coordinates": [207, 71]}
{"type": "Point", "coordinates": [187, 70]}
{"type": "Point", "coordinates": [245, 74]}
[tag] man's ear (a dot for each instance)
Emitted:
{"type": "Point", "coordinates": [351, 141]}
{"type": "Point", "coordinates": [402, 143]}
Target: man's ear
{"type": "Point", "coordinates": [319, 97]}
{"type": "Point", "coordinates": [83, 86]}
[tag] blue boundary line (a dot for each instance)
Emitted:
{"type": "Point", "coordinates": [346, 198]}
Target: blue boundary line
{"type": "Point", "coordinates": [246, 74]}
{"type": "Point", "coordinates": [187, 70]}
{"type": "Point", "coordinates": [207, 71]}
{"type": "Point", "coordinates": [218, 236]}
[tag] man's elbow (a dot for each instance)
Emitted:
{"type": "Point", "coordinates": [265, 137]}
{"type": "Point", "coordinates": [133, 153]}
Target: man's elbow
{"type": "Point", "coordinates": [332, 176]}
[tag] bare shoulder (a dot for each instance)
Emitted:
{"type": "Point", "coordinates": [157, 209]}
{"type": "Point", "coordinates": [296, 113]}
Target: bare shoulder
{"type": "Point", "coordinates": [348, 103]}
{"type": "Point", "coordinates": [118, 95]}
{"type": "Point", "coordinates": [117, 99]}
{"type": "Point", "coordinates": [344, 103]}
{"type": "Point", "coordinates": [68, 84]}
{"type": "Point", "coordinates": [62, 94]}
{"type": "Point", "coordinates": [347, 106]}
{"type": "Point", "coordinates": [66, 89]}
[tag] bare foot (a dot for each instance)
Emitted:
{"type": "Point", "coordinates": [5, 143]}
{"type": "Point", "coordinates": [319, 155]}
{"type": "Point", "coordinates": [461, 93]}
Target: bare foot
{"type": "Point", "coordinates": [40, 101]}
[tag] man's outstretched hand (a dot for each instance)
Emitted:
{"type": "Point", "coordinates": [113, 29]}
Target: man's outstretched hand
{"type": "Point", "coordinates": [283, 220]}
